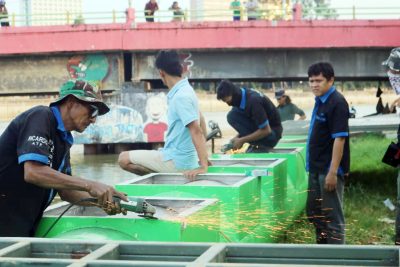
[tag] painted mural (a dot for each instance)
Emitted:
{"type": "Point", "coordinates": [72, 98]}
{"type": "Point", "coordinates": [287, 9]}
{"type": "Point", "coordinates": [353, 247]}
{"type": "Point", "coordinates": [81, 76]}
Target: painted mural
{"type": "Point", "coordinates": [133, 117]}
{"type": "Point", "coordinates": [156, 127]}
{"type": "Point", "coordinates": [120, 125]}
{"type": "Point", "coordinates": [141, 117]}
{"type": "Point", "coordinates": [94, 67]}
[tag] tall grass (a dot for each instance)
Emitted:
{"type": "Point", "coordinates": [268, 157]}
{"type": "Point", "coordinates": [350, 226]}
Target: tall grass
{"type": "Point", "coordinates": [369, 184]}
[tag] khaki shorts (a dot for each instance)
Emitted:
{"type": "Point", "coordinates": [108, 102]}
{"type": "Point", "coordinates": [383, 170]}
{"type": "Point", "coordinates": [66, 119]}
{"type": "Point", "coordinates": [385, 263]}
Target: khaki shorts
{"type": "Point", "coordinates": [153, 160]}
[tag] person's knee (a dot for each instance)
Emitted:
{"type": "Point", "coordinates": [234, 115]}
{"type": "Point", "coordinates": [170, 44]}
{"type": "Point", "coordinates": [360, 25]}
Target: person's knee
{"type": "Point", "coordinates": [124, 160]}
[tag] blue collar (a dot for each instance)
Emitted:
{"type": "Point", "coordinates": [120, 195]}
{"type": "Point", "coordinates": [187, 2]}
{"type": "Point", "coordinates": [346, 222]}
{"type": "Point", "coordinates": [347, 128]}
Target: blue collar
{"type": "Point", "coordinates": [182, 83]}
{"type": "Point", "coordinates": [66, 136]}
{"type": "Point", "coordinates": [243, 101]}
{"type": "Point", "coordinates": [325, 97]}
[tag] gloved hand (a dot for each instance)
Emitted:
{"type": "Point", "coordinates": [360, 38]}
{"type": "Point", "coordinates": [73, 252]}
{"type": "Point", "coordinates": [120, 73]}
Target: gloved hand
{"type": "Point", "coordinates": [113, 208]}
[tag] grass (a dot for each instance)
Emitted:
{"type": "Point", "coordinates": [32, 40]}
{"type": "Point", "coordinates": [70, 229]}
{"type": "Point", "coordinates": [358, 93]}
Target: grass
{"type": "Point", "coordinates": [369, 184]}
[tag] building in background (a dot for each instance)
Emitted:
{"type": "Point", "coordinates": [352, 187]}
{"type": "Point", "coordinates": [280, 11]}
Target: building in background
{"type": "Point", "coordinates": [49, 12]}
{"type": "Point", "coordinates": [212, 10]}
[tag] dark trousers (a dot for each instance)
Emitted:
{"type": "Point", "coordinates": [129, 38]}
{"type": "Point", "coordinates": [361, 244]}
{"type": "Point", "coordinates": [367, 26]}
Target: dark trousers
{"type": "Point", "coordinates": [245, 126]}
{"type": "Point", "coordinates": [324, 209]}
{"type": "Point", "coordinates": [5, 24]}
{"type": "Point", "coordinates": [149, 18]}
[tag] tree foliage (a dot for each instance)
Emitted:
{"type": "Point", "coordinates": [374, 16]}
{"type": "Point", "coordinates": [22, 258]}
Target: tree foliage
{"type": "Point", "coordinates": [318, 9]}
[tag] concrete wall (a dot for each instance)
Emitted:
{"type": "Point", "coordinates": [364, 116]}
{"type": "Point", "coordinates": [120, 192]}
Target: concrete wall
{"type": "Point", "coordinates": [45, 73]}
{"type": "Point", "coordinates": [360, 63]}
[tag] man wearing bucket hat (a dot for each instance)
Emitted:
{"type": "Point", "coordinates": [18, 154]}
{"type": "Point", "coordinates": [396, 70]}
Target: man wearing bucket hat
{"type": "Point", "coordinates": [35, 159]}
{"type": "Point", "coordinates": [392, 65]}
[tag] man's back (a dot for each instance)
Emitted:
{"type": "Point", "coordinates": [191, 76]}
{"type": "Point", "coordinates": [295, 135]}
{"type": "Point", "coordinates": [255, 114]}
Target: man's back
{"type": "Point", "coordinates": [182, 110]}
{"type": "Point", "coordinates": [256, 99]}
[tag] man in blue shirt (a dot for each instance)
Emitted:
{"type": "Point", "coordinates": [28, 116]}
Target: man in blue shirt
{"type": "Point", "coordinates": [35, 159]}
{"type": "Point", "coordinates": [185, 148]}
{"type": "Point", "coordinates": [328, 156]}
{"type": "Point", "coordinates": [253, 116]}
{"type": "Point", "coordinates": [392, 65]}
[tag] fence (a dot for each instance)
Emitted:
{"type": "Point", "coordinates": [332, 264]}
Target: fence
{"type": "Point", "coordinates": [69, 18]}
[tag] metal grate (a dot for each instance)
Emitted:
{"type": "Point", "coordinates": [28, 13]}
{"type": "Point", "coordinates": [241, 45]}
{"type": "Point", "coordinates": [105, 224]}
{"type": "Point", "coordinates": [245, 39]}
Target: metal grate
{"type": "Point", "coordinates": [58, 252]}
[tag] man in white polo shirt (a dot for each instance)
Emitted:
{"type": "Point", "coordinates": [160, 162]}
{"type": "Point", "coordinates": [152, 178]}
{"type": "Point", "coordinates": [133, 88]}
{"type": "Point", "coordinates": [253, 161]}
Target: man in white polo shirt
{"type": "Point", "coordinates": [185, 148]}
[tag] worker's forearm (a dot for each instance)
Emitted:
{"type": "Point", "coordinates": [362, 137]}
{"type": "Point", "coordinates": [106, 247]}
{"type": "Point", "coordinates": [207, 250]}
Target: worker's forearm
{"type": "Point", "coordinates": [337, 153]}
{"type": "Point", "coordinates": [257, 135]}
{"type": "Point", "coordinates": [74, 196]}
{"type": "Point", "coordinates": [200, 145]}
{"type": "Point", "coordinates": [44, 176]}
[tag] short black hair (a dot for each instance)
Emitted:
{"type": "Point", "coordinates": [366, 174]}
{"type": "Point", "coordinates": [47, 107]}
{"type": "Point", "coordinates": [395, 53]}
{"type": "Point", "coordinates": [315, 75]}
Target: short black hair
{"type": "Point", "coordinates": [169, 61]}
{"type": "Point", "coordinates": [324, 68]}
{"type": "Point", "coordinates": [225, 88]}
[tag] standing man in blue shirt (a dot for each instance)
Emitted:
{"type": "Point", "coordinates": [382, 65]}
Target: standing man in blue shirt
{"type": "Point", "coordinates": [185, 147]}
{"type": "Point", "coordinates": [328, 156]}
{"type": "Point", "coordinates": [392, 65]}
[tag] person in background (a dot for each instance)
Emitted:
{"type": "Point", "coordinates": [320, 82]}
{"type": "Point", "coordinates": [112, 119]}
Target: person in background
{"type": "Point", "coordinates": [149, 10]}
{"type": "Point", "coordinates": [3, 14]}
{"type": "Point", "coordinates": [392, 65]}
{"type": "Point", "coordinates": [253, 116]}
{"type": "Point", "coordinates": [252, 10]}
{"type": "Point", "coordinates": [328, 156]}
{"type": "Point", "coordinates": [35, 160]}
{"type": "Point", "coordinates": [185, 146]}
{"type": "Point", "coordinates": [236, 7]}
{"type": "Point", "coordinates": [178, 14]}
{"type": "Point", "coordinates": [287, 110]}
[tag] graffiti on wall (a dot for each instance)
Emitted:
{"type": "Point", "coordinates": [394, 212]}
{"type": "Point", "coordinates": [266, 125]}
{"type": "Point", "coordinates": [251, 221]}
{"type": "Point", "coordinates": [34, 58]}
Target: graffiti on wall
{"type": "Point", "coordinates": [187, 63]}
{"type": "Point", "coordinates": [94, 67]}
{"type": "Point", "coordinates": [141, 117]}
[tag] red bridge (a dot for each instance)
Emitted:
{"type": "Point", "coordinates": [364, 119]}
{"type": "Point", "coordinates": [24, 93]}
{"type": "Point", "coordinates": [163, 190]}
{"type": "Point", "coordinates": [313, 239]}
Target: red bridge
{"type": "Point", "coordinates": [201, 36]}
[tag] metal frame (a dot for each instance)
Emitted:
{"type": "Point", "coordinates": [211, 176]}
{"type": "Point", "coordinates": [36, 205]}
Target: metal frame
{"type": "Point", "coordinates": [75, 253]}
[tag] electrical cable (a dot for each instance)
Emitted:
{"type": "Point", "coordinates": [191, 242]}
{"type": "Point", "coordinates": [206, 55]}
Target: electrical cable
{"type": "Point", "coordinates": [91, 200]}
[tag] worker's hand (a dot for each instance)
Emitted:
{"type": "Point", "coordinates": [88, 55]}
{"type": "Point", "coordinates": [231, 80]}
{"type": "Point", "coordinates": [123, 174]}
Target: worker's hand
{"type": "Point", "coordinates": [237, 143]}
{"type": "Point", "coordinates": [112, 208]}
{"type": "Point", "coordinates": [103, 193]}
{"type": "Point", "coordinates": [191, 175]}
{"type": "Point", "coordinates": [330, 181]}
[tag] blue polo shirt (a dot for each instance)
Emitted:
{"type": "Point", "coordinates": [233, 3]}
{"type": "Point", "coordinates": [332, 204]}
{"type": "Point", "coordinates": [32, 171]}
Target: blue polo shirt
{"type": "Point", "coordinates": [183, 109]}
{"type": "Point", "coordinates": [329, 120]}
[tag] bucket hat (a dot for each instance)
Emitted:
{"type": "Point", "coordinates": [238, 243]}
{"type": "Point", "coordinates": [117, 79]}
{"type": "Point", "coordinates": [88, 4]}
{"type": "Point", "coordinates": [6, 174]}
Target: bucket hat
{"type": "Point", "coordinates": [86, 91]}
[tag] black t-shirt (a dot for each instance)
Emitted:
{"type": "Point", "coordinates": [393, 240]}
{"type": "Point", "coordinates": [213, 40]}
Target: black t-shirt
{"type": "Point", "coordinates": [38, 135]}
{"type": "Point", "coordinates": [261, 110]}
{"type": "Point", "coordinates": [330, 119]}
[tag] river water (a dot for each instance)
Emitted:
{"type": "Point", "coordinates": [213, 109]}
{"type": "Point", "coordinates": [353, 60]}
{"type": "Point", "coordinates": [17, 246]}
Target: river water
{"type": "Point", "coordinates": [103, 168]}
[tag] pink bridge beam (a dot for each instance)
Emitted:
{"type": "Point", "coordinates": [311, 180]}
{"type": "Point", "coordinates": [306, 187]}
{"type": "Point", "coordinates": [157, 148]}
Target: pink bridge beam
{"type": "Point", "coordinates": [201, 35]}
